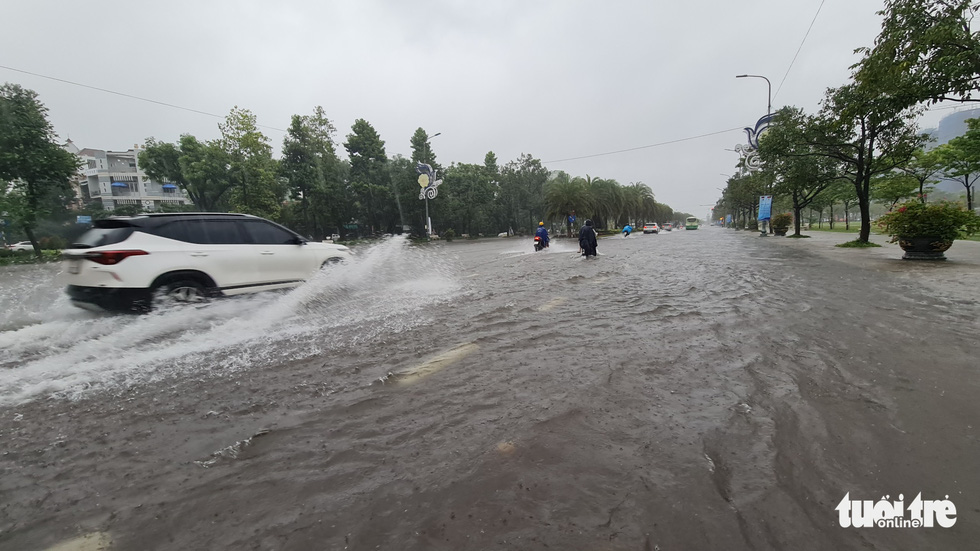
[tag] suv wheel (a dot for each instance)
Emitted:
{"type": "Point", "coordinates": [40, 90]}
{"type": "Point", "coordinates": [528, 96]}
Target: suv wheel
{"type": "Point", "coordinates": [183, 291]}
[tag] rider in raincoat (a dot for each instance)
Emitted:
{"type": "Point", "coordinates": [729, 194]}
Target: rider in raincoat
{"type": "Point", "coordinates": [587, 239]}
{"type": "Point", "coordinates": [542, 232]}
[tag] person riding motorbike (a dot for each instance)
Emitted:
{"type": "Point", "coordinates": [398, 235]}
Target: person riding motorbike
{"type": "Point", "coordinates": [542, 232]}
{"type": "Point", "coordinates": [587, 240]}
{"type": "Point", "coordinates": [627, 230]}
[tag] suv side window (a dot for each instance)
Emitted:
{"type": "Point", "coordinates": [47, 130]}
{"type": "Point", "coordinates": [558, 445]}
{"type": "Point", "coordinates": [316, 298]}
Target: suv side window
{"type": "Point", "coordinates": [223, 232]}
{"type": "Point", "coordinates": [265, 233]}
{"type": "Point", "coordinates": [203, 232]}
{"type": "Point", "coordinates": [180, 230]}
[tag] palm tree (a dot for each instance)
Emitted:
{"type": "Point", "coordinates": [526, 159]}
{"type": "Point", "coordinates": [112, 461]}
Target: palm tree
{"type": "Point", "coordinates": [564, 196]}
{"type": "Point", "coordinates": [607, 197]}
{"type": "Point", "coordinates": [634, 197]}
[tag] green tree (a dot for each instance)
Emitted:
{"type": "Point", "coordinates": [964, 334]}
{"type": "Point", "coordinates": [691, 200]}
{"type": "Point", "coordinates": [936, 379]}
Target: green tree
{"type": "Point", "coordinates": [843, 192]}
{"type": "Point", "coordinates": [790, 160]}
{"type": "Point", "coordinates": [868, 133]}
{"type": "Point", "coordinates": [960, 159]}
{"type": "Point", "coordinates": [369, 179]}
{"type": "Point", "coordinates": [37, 168]}
{"type": "Point", "coordinates": [466, 202]}
{"type": "Point", "coordinates": [565, 196]}
{"type": "Point", "coordinates": [422, 149]}
{"type": "Point", "coordinates": [927, 51]}
{"type": "Point", "coordinates": [924, 167]}
{"type": "Point", "coordinates": [309, 165]}
{"type": "Point", "coordinates": [521, 192]}
{"type": "Point", "coordinates": [255, 187]}
{"type": "Point", "coordinates": [607, 200]}
{"type": "Point", "coordinates": [199, 168]}
{"type": "Point", "coordinates": [892, 187]}
{"type": "Point", "coordinates": [639, 203]}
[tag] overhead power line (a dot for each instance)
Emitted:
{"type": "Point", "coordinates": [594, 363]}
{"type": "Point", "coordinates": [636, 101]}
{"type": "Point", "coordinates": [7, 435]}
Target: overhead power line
{"type": "Point", "coordinates": [642, 146]}
{"type": "Point", "coordinates": [778, 88]}
{"type": "Point", "coordinates": [163, 103]}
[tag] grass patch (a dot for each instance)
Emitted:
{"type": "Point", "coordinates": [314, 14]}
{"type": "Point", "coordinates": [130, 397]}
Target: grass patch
{"type": "Point", "coordinates": [27, 257]}
{"type": "Point", "coordinates": [857, 244]}
{"type": "Point", "coordinates": [838, 228]}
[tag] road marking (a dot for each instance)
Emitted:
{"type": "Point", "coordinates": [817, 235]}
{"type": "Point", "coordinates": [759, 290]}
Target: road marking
{"type": "Point", "coordinates": [550, 305]}
{"type": "Point", "coordinates": [96, 541]}
{"type": "Point", "coordinates": [434, 365]}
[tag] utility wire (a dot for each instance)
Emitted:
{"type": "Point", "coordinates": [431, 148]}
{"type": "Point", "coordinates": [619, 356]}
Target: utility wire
{"type": "Point", "coordinates": [642, 146]}
{"type": "Point", "coordinates": [780, 87]}
{"type": "Point", "coordinates": [128, 95]}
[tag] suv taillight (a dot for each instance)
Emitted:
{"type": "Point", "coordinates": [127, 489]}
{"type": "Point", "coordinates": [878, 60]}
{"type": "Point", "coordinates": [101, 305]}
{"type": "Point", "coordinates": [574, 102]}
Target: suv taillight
{"type": "Point", "coordinates": [110, 258]}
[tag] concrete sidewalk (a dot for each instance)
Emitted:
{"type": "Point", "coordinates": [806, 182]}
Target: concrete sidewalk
{"type": "Point", "coordinates": [954, 278]}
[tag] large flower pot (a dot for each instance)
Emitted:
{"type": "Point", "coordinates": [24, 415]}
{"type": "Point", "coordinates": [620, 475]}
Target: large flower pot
{"type": "Point", "coordinates": [924, 248]}
{"type": "Point", "coordinates": [779, 232]}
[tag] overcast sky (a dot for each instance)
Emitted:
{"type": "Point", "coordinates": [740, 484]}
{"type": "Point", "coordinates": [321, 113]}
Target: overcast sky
{"type": "Point", "coordinates": [555, 79]}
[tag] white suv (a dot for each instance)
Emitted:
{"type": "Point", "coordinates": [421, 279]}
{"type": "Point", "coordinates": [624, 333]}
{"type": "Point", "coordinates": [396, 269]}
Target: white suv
{"type": "Point", "coordinates": [124, 263]}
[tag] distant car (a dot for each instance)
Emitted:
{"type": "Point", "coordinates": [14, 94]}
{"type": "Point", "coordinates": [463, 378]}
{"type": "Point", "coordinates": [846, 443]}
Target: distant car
{"type": "Point", "coordinates": [651, 228]}
{"type": "Point", "coordinates": [129, 263]}
{"type": "Point", "coordinates": [21, 246]}
{"type": "Point", "coordinates": [668, 227]}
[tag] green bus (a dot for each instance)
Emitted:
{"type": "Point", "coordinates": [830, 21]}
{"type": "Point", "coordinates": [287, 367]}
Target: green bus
{"type": "Point", "coordinates": [691, 223]}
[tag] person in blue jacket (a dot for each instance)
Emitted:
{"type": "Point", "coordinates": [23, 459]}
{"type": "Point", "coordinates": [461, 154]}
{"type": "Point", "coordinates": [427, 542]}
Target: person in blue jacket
{"type": "Point", "coordinates": [627, 230]}
{"type": "Point", "coordinates": [542, 232]}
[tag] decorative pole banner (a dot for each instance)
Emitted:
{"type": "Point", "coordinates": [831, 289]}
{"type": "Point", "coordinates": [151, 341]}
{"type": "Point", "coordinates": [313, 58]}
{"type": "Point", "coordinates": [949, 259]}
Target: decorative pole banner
{"type": "Point", "coordinates": [427, 181]}
{"type": "Point", "coordinates": [750, 151]}
{"type": "Point", "coordinates": [765, 207]}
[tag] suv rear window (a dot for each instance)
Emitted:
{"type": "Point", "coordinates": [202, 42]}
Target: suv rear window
{"type": "Point", "coordinates": [97, 237]}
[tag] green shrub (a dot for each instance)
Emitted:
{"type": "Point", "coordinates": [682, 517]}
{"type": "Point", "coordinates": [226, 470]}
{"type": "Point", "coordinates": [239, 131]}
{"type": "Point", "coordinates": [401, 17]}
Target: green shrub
{"type": "Point", "coordinates": [945, 221]}
{"type": "Point", "coordinates": [449, 234]}
{"type": "Point", "coordinates": [857, 244]}
{"type": "Point", "coordinates": [781, 221]}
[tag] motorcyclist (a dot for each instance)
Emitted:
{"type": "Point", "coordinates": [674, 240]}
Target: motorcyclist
{"type": "Point", "coordinates": [587, 240]}
{"type": "Point", "coordinates": [542, 232]}
{"type": "Point", "coordinates": [627, 230]}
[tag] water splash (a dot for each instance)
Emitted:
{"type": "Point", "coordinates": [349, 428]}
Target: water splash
{"type": "Point", "coordinates": [68, 353]}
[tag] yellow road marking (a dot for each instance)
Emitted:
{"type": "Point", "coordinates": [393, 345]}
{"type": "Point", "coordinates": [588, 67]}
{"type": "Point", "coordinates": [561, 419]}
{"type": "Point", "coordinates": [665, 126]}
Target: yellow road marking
{"type": "Point", "coordinates": [96, 541]}
{"type": "Point", "coordinates": [551, 304]}
{"type": "Point", "coordinates": [435, 364]}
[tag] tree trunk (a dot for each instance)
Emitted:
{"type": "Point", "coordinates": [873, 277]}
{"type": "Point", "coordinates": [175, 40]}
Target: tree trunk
{"type": "Point", "coordinates": [831, 216]}
{"type": "Point", "coordinates": [30, 236]}
{"type": "Point", "coordinates": [865, 234]}
{"type": "Point", "coordinates": [797, 211]}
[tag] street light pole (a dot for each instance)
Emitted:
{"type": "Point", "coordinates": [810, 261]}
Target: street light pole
{"type": "Point", "coordinates": [428, 221]}
{"type": "Point", "coordinates": [769, 106]}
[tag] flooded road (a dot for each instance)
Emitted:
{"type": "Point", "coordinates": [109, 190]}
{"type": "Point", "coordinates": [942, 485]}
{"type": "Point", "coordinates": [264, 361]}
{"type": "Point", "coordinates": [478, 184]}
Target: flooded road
{"type": "Point", "coordinates": [689, 390]}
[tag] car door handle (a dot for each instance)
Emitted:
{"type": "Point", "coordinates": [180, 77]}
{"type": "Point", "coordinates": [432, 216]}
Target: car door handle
{"type": "Point", "coordinates": [199, 254]}
{"type": "Point", "coordinates": [267, 252]}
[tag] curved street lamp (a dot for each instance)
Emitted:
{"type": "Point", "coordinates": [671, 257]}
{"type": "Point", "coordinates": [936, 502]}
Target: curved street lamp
{"type": "Point", "coordinates": [769, 107]}
{"type": "Point", "coordinates": [428, 220]}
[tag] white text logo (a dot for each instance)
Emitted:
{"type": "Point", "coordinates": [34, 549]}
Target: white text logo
{"type": "Point", "coordinates": [923, 513]}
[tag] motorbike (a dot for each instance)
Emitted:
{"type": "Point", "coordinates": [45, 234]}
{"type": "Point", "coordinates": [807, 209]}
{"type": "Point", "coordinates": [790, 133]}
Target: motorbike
{"type": "Point", "coordinates": [539, 243]}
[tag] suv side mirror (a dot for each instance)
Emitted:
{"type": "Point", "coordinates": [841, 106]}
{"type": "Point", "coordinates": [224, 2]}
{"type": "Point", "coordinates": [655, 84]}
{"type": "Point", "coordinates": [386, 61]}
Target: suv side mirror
{"type": "Point", "coordinates": [299, 241]}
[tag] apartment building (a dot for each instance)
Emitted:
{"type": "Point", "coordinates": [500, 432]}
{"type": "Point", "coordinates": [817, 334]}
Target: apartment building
{"type": "Point", "coordinates": [114, 178]}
